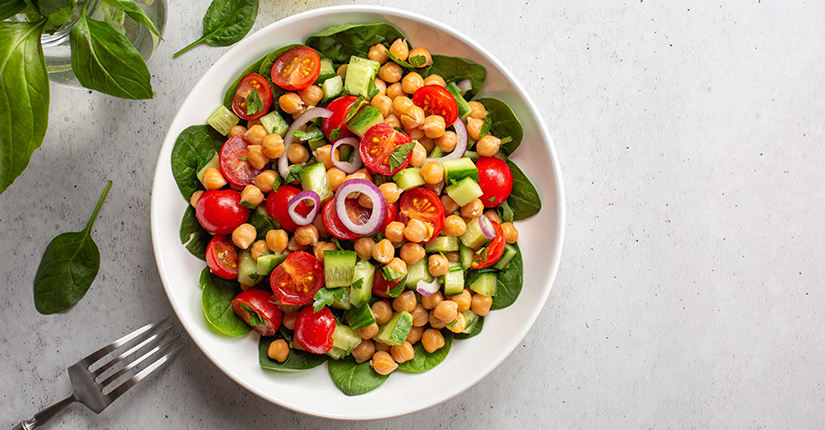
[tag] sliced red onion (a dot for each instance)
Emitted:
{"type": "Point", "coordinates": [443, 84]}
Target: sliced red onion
{"type": "Point", "coordinates": [379, 206]}
{"type": "Point", "coordinates": [347, 166]}
{"type": "Point", "coordinates": [309, 115]}
{"type": "Point", "coordinates": [465, 86]}
{"type": "Point", "coordinates": [487, 228]}
{"type": "Point", "coordinates": [427, 288]}
{"type": "Point", "coordinates": [460, 144]}
{"type": "Point", "coordinates": [296, 200]}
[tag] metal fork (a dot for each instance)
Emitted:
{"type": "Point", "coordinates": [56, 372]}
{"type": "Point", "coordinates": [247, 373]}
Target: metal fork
{"type": "Point", "coordinates": [97, 382]}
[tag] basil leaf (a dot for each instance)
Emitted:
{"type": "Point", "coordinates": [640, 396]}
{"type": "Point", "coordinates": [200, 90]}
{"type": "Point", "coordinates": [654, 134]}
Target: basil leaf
{"type": "Point", "coordinates": [104, 60]}
{"type": "Point", "coordinates": [254, 103]}
{"type": "Point", "coordinates": [294, 173]}
{"type": "Point", "coordinates": [195, 146]}
{"type": "Point", "coordinates": [423, 360]}
{"type": "Point", "coordinates": [313, 135]}
{"type": "Point", "coordinates": [297, 359]}
{"type": "Point", "coordinates": [226, 22]}
{"type": "Point", "coordinates": [135, 12]}
{"type": "Point", "coordinates": [216, 300]}
{"type": "Point", "coordinates": [354, 379]}
{"type": "Point", "coordinates": [524, 200]}
{"type": "Point", "coordinates": [340, 42]}
{"type": "Point", "coordinates": [60, 17]}
{"type": "Point", "coordinates": [399, 154]}
{"type": "Point", "coordinates": [193, 235]}
{"type": "Point", "coordinates": [326, 297]}
{"type": "Point", "coordinates": [255, 319]}
{"type": "Point", "coordinates": [359, 103]}
{"type": "Point", "coordinates": [454, 69]}
{"type": "Point", "coordinates": [10, 8]}
{"type": "Point", "coordinates": [24, 99]}
{"type": "Point", "coordinates": [69, 265]}
{"type": "Point", "coordinates": [503, 124]}
{"type": "Point", "coordinates": [509, 282]}
{"type": "Point", "coordinates": [390, 274]}
{"type": "Point", "coordinates": [49, 7]}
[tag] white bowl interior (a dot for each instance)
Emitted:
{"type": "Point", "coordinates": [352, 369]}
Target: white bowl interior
{"type": "Point", "coordinates": [313, 392]}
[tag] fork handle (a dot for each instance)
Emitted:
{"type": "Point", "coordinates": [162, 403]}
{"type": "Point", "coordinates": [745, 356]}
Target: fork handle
{"type": "Point", "coordinates": [45, 415]}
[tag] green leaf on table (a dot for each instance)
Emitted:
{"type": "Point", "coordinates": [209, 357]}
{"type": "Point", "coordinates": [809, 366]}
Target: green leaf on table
{"type": "Point", "coordinates": [193, 235]}
{"type": "Point", "coordinates": [104, 60]}
{"type": "Point", "coordinates": [24, 99]}
{"type": "Point", "coordinates": [69, 265]}
{"type": "Point", "coordinates": [10, 8]}
{"type": "Point", "coordinates": [502, 124]}
{"type": "Point", "coordinates": [194, 147]}
{"type": "Point", "coordinates": [340, 42]}
{"type": "Point", "coordinates": [524, 200]}
{"type": "Point", "coordinates": [399, 154]}
{"type": "Point", "coordinates": [216, 300]}
{"type": "Point", "coordinates": [135, 12]}
{"type": "Point", "coordinates": [354, 379]}
{"type": "Point", "coordinates": [226, 22]}
{"type": "Point", "coordinates": [509, 282]}
{"type": "Point", "coordinates": [454, 69]}
{"type": "Point", "coordinates": [423, 360]}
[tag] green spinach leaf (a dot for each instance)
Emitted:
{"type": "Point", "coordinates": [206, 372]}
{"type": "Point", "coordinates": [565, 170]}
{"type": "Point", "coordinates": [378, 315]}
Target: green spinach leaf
{"type": "Point", "coordinates": [216, 300]}
{"type": "Point", "coordinates": [193, 235]}
{"type": "Point", "coordinates": [476, 330]}
{"type": "Point", "coordinates": [135, 12]}
{"type": "Point", "coordinates": [503, 123]}
{"type": "Point", "coordinates": [509, 282]}
{"type": "Point", "coordinates": [340, 42]}
{"type": "Point", "coordinates": [105, 60]}
{"type": "Point", "coordinates": [68, 268]}
{"type": "Point", "coordinates": [195, 146]}
{"type": "Point", "coordinates": [296, 361]}
{"type": "Point", "coordinates": [423, 360]}
{"type": "Point", "coordinates": [454, 69]}
{"type": "Point", "coordinates": [524, 200]}
{"type": "Point", "coordinates": [226, 22]}
{"type": "Point", "coordinates": [505, 212]}
{"type": "Point", "coordinates": [9, 8]}
{"type": "Point", "coordinates": [354, 379]}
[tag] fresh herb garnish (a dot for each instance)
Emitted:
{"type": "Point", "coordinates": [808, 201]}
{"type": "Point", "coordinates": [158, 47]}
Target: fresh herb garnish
{"type": "Point", "coordinates": [335, 134]}
{"type": "Point", "coordinates": [255, 320]}
{"type": "Point", "coordinates": [398, 288]}
{"type": "Point", "coordinates": [254, 104]}
{"type": "Point", "coordinates": [327, 296]}
{"type": "Point", "coordinates": [399, 154]}
{"type": "Point", "coordinates": [313, 135]}
{"type": "Point", "coordinates": [294, 172]}
{"type": "Point", "coordinates": [357, 285]}
{"type": "Point", "coordinates": [456, 268]}
{"type": "Point", "coordinates": [418, 60]}
{"type": "Point", "coordinates": [390, 274]}
{"type": "Point", "coordinates": [226, 22]}
{"type": "Point", "coordinates": [359, 103]}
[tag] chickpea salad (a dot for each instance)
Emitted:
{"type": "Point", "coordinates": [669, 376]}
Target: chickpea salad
{"type": "Point", "coordinates": [354, 203]}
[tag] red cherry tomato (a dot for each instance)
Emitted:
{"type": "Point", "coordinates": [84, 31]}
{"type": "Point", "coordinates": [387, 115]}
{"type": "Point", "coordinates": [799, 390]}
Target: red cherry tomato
{"type": "Point", "coordinates": [490, 253]}
{"type": "Point", "coordinates": [276, 206]}
{"type": "Point", "coordinates": [392, 215]}
{"type": "Point", "coordinates": [436, 100]}
{"type": "Point", "coordinates": [241, 104]}
{"type": "Point", "coordinates": [219, 211]}
{"type": "Point", "coordinates": [423, 205]}
{"type": "Point", "coordinates": [495, 180]}
{"type": "Point", "coordinates": [234, 166]}
{"type": "Point", "coordinates": [222, 257]}
{"type": "Point", "coordinates": [381, 286]}
{"type": "Point", "coordinates": [377, 145]}
{"type": "Point", "coordinates": [313, 330]}
{"type": "Point", "coordinates": [297, 68]}
{"type": "Point", "coordinates": [256, 308]}
{"type": "Point", "coordinates": [357, 213]}
{"type": "Point", "coordinates": [340, 108]}
{"type": "Point", "coordinates": [297, 279]}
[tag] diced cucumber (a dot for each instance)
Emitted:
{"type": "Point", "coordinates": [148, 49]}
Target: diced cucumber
{"type": "Point", "coordinates": [314, 177]}
{"type": "Point", "coordinates": [436, 153]}
{"type": "Point", "coordinates": [274, 123]}
{"type": "Point", "coordinates": [248, 269]}
{"type": "Point", "coordinates": [333, 87]}
{"type": "Point", "coordinates": [361, 292]}
{"type": "Point", "coordinates": [367, 117]}
{"type": "Point", "coordinates": [360, 72]}
{"type": "Point", "coordinates": [327, 71]}
{"type": "Point", "coordinates": [396, 330]}
{"type": "Point", "coordinates": [454, 280]}
{"type": "Point", "coordinates": [339, 268]}
{"type": "Point", "coordinates": [359, 317]}
{"type": "Point", "coordinates": [214, 163]}
{"type": "Point", "coordinates": [465, 191]}
{"type": "Point", "coordinates": [344, 340]}
{"type": "Point", "coordinates": [343, 303]}
{"type": "Point", "coordinates": [485, 284]}
{"type": "Point", "coordinates": [466, 255]}
{"type": "Point", "coordinates": [442, 244]}
{"type": "Point", "coordinates": [267, 262]}
{"type": "Point", "coordinates": [473, 238]}
{"type": "Point", "coordinates": [463, 107]}
{"type": "Point", "coordinates": [417, 272]}
{"type": "Point", "coordinates": [472, 155]}
{"type": "Point", "coordinates": [509, 252]}
{"type": "Point", "coordinates": [471, 320]}
{"type": "Point", "coordinates": [222, 120]}
{"type": "Point", "coordinates": [458, 169]}
{"type": "Point", "coordinates": [409, 178]}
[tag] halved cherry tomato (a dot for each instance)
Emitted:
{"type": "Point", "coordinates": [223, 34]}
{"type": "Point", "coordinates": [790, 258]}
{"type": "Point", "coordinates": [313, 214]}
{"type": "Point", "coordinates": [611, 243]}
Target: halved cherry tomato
{"type": "Point", "coordinates": [313, 330]}
{"type": "Point", "coordinates": [436, 100]}
{"type": "Point", "coordinates": [256, 308]}
{"type": "Point", "coordinates": [424, 205]}
{"type": "Point", "coordinates": [220, 212]}
{"type": "Point", "coordinates": [297, 68]}
{"type": "Point", "coordinates": [276, 206]}
{"type": "Point", "coordinates": [243, 106]}
{"type": "Point", "coordinates": [222, 257]}
{"type": "Point", "coordinates": [381, 286]}
{"type": "Point", "coordinates": [378, 144]}
{"type": "Point", "coordinates": [357, 213]}
{"type": "Point", "coordinates": [340, 108]}
{"type": "Point", "coordinates": [297, 279]}
{"type": "Point", "coordinates": [491, 253]}
{"type": "Point", "coordinates": [234, 166]}
{"type": "Point", "coordinates": [392, 215]}
{"type": "Point", "coordinates": [495, 179]}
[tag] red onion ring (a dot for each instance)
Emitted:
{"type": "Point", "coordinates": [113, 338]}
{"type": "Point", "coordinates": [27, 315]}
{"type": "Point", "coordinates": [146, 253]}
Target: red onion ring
{"type": "Point", "coordinates": [309, 115]}
{"type": "Point", "coordinates": [427, 288]}
{"type": "Point", "coordinates": [379, 206]}
{"type": "Point", "coordinates": [296, 200]}
{"type": "Point", "coordinates": [460, 144]}
{"type": "Point", "coordinates": [465, 86]}
{"type": "Point", "coordinates": [486, 227]}
{"type": "Point", "coordinates": [347, 166]}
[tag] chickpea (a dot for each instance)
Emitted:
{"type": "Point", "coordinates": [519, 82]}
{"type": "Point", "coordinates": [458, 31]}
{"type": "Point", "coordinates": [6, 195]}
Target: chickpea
{"type": "Point", "coordinates": [381, 86]}
{"type": "Point", "coordinates": [428, 59]}
{"type": "Point", "coordinates": [364, 201]}
{"type": "Point", "coordinates": [297, 154]}
{"type": "Point", "coordinates": [411, 82]}
{"type": "Point", "coordinates": [390, 72]}
{"type": "Point", "coordinates": [336, 177]}
{"type": "Point", "coordinates": [364, 351]}
{"type": "Point", "coordinates": [213, 179]}
{"type": "Point", "coordinates": [413, 118]}
{"type": "Point", "coordinates": [278, 350]}
{"type": "Point", "coordinates": [447, 141]}
{"type": "Point", "coordinates": [415, 133]}
{"type": "Point", "coordinates": [405, 301]}
{"type": "Point", "coordinates": [306, 235]}
{"type": "Point", "coordinates": [427, 143]}
{"type": "Point", "coordinates": [395, 232]}
{"type": "Point", "coordinates": [255, 134]}
{"type": "Point", "coordinates": [474, 209]}
{"type": "Point", "coordinates": [463, 300]}
{"type": "Point", "coordinates": [434, 126]}
{"type": "Point", "coordinates": [342, 71]}
{"type": "Point", "coordinates": [259, 248]}
{"type": "Point", "coordinates": [253, 122]}
{"type": "Point", "coordinates": [293, 245]}
{"type": "Point", "coordinates": [435, 322]}
{"type": "Point", "coordinates": [277, 240]}
{"type": "Point", "coordinates": [400, 49]}
{"type": "Point", "coordinates": [510, 232]}
{"type": "Point", "coordinates": [363, 247]}
{"type": "Point", "coordinates": [401, 105]}
{"type": "Point", "coordinates": [289, 319]}
{"type": "Point", "coordinates": [265, 181]}
{"type": "Point", "coordinates": [488, 145]}
{"type": "Point", "coordinates": [429, 302]}
{"type": "Point", "coordinates": [416, 332]}
{"type": "Point", "coordinates": [474, 127]}
{"type": "Point", "coordinates": [481, 304]}
{"type": "Point", "coordinates": [412, 253]}
{"type": "Point", "coordinates": [435, 80]}
{"type": "Point", "coordinates": [432, 172]}
{"type": "Point", "coordinates": [378, 52]}
{"type": "Point", "coordinates": [291, 103]}
{"type": "Point", "coordinates": [237, 130]}
{"type": "Point", "coordinates": [381, 347]}
{"type": "Point", "coordinates": [322, 154]}
{"type": "Point", "coordinates": [432, 340]}
{"type": "Point", "coordinates": [394, 91]}
{"type": "Point", "coordinates": [492, 215]}
{"type": "Point", "coordinates": [453, 257]}
{"type": "Point", "coordinates": [402, 353]}
{"type": "Point", "coordinates": [255, 156]}
{"type": "Point", "coordinates": [390, 191]}
{"type": "Point", "coordinates": [195, 197]}
{"type": "Point", "coordinates": [446, 311]}
{"type": "Point", "coordinates": [438, 265]}
{"type": "Point", "coordinates": [318, 222]}
{"type": "Point", "coordinates": [382, 311]}
{"type": "Point", "coordinates": [273, 146]}
{"type": "Point", "coordinates": [416, 231]}
{"type": "Point", "coordinates": [319, 248]}
{"type": "Point", "coordinates": [382, 103]}
{"type": "Point", "coordinates": [478, 110]}
{"type": "Point", "coordinates": [419, 155]}
{"type": "Point", "coordinates": [244, 235]}
{"type": "Point", "coordinates": [459, 324]}
{"type": "Point", "coordinates": [398, 265]}
{"type": "Point", "coordinates": [420, 316]}
{"type": "Point", "coordinates": [383, 251]}
{"type": "Point", "coordinates": [454, 226]}
{"type": "Point", "coordinates": [392, 121]}
{"type": "Point", "coordinates": [382, 362]}
{"type": "Point", "coordinates": [311, 95]}
{"type": "Point", "coordinates": [369, 331]}
{"type": "Point", "coordinates": [449, 204]}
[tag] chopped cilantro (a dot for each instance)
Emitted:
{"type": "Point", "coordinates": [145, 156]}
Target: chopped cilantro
{"type": "Point", "coordinates": [327, 296]}
{"type": "Point", "coordinates": [254, 104]}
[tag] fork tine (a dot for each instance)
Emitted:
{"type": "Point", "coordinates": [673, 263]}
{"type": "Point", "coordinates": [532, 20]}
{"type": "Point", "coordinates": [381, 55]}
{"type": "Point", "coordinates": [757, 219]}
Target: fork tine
{"type": "Point", "coordinates": [100, 353]}
{"type": "Point", "coordinates": [157, 344]}
{"type": "Point", "coordinates": [132, 350]}
{"type": "Point", "coordinates": [164, 358]}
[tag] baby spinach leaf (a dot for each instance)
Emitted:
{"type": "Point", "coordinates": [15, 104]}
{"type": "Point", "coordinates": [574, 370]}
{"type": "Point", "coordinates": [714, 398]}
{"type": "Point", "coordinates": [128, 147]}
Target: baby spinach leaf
{"type": "Point", "coordinates": [9, 8]}
{"type": "Point", "coordinates": [69, 265]}
{"type": "Point", "coordinates": [296, 361]}
{"type": "Point", "coordinates": [24, 99]}
{"type": "Point", "coordinates": [454, 69]}
{"type": "Point", "coordinates": [193, 235]}
{"type": "Point", "coordinates": [524, 200]}
{"type": "Point", "coordinates": [135, 12]}
{"type": "Point", "coordinates": [505, 212]}
{"type": "Point", "coordinates": [354, 379]}
{"type": "Point", "coordinates": [216, 300]}
{"type": "Point", "coordinates": [509, 282]}
{"type": "Point", "coordinates": [230, 91]}
{"type": "Point", "coordinates": [105, 60]}
{"type": "Point", "coordinates": [340, 42]}
{"type": "Point", "coordinates": [476, 330]}
{"type": "Point", "coordinates": [195, 146]}
{"type": "Point", "coordinates": [423, 360]}
{"type": "Point", "coordinates": [503, 123]}
{"type": "Point", "coordinates": [226, 22]}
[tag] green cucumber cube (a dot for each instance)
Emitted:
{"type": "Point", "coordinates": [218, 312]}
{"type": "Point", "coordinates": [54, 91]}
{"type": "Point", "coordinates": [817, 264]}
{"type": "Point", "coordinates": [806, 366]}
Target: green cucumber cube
{"type": "Point", "coordinates": [465, 191]}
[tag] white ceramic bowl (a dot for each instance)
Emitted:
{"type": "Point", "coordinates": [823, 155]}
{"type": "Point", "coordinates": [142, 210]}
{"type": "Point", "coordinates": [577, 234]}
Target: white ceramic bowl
{"type": "Point", "coordinates": [312, 391]}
